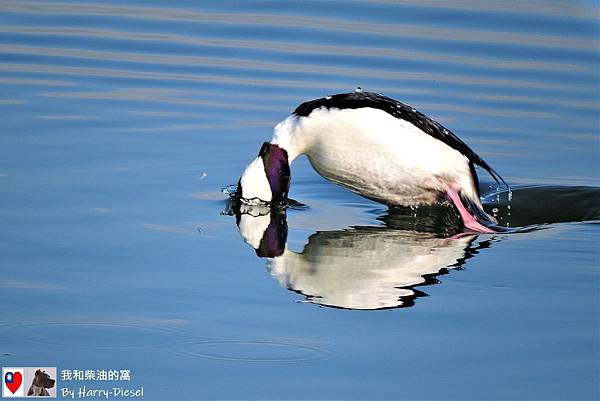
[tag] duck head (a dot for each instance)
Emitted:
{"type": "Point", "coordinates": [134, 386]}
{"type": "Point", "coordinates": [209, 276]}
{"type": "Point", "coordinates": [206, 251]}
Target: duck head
{"type": "Point", "coordinates": [267, 178]}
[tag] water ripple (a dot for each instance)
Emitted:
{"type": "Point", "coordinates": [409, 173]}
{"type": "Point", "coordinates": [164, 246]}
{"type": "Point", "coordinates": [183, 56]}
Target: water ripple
{"type": "Point", "coordinates": [535, 7]}
{"type": "Point", "coordinates": [225, 79]}
{"type": "Point", "coordinates": [96, 334]}
{"type": "Point", "coordinates": [252, 350]}
{"type": "Point", "coordinates": [289, 21]}
{"type": "Point", "coordinates": [296, 47]}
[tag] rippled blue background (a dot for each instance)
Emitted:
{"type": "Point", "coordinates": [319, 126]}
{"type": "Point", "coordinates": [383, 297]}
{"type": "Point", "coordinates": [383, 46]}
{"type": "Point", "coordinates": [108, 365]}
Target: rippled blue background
{"type": "Point", "coordinates": [121, 122]}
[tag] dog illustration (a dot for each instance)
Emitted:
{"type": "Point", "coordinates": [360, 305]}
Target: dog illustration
{"type": "Point", "coordinates": [40, 383]}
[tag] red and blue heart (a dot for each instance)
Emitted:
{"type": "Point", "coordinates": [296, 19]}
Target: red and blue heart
{"type": "Point", "coordinates": [13, 381]}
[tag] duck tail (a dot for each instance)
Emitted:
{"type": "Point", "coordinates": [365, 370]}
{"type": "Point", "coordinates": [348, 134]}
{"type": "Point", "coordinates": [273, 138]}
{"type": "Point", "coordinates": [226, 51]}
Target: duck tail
{"type": "Point", "coordinates": [493, 173]}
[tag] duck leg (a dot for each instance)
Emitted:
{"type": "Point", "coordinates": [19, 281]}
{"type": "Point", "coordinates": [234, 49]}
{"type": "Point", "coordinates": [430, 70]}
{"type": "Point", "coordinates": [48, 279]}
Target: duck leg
{"type": "Point", "coordinates": [469, 221]}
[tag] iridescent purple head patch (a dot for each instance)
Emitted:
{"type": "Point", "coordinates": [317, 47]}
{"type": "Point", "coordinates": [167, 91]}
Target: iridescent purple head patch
{"type": "Point", "coordinates": [274, 238]}
{"type": "Point", "coordinates": [277, 170]}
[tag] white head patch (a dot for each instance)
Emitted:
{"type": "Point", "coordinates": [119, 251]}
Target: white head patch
{"type": "Point", "coordinates": [252, 228]}
{"type": "Point", "coordinates": [254, 182]}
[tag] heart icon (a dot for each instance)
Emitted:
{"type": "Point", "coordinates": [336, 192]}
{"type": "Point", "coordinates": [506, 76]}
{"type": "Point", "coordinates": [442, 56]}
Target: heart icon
{"type": "Point", "coordinates": [13, 381]}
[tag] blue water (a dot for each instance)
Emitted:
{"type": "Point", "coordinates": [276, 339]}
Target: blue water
{"type": "Point", "coordinates": [122, 122]}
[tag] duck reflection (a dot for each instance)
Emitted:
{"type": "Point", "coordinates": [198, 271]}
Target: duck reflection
{"type": "Point", "coordinates": [376, 267]}
{"type": "Point", "coordinates": [367, 268]}
{"type": "Point", "coordinates": [373, 267]}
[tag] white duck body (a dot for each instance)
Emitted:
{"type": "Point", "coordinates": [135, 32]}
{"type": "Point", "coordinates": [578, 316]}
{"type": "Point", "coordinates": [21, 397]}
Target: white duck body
{"type": "Point", "coordinates": [376, 155]}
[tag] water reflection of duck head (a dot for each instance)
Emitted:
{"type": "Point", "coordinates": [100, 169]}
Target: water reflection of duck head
{"type": "Point", "coordinates": [360, 267]}
{"type": "Point", "coordinates": [262, 228]}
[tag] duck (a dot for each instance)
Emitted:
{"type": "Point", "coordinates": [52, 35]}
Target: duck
{"type": "Point", "coordinates": [377, 147]}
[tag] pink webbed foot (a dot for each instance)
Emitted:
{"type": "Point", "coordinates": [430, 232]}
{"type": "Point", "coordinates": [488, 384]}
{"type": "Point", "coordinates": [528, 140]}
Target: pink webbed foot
{"type": "Point", "coordinates": [468, 219]}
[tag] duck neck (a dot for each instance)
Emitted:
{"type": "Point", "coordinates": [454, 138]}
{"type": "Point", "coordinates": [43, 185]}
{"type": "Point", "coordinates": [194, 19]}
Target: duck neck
{"type": "Point", "coordinates": [290, 136]}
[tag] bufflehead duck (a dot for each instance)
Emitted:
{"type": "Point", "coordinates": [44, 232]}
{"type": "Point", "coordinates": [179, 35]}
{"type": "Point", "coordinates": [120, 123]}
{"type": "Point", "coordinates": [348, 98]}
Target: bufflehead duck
{"type": "Point", "coordinates": [377, 147]}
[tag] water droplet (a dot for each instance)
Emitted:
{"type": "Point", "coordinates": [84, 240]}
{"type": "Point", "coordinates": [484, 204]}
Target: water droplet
{"type": "Point", "coordinates": [358, 89]}
{"type": "Point", "coordinates": [203, 175]}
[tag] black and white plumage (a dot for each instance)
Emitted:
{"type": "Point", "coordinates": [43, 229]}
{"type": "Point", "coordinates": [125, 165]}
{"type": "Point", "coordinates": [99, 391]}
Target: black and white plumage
{"type": "Point", "coordinates": [377, 147]}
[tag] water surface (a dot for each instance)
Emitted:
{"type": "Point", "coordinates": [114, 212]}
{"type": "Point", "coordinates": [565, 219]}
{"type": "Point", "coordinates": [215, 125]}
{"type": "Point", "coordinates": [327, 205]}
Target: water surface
{"type": "Point", "coordinates": [123, 121]}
